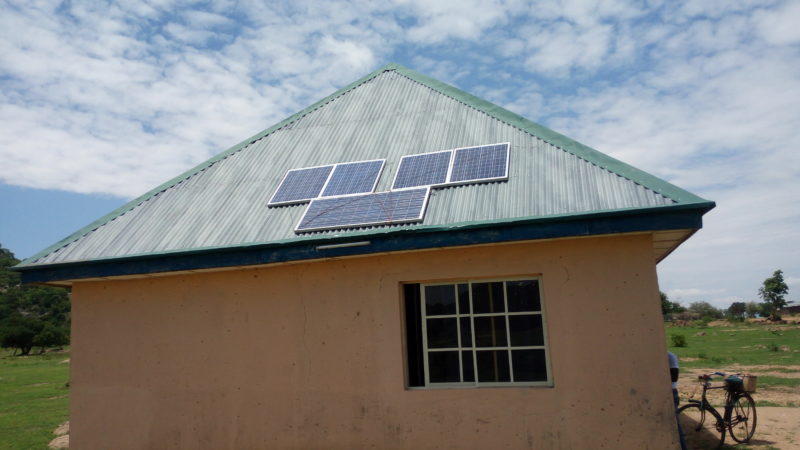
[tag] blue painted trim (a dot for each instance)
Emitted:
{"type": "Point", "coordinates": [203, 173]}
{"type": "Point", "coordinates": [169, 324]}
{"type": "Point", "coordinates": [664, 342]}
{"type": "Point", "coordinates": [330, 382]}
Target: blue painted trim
{"type": "Point", "coordinates": [655, 219]}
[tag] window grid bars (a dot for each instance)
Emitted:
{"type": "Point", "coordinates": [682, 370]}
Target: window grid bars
{"type": "Point", "coordinates": [474, 349]}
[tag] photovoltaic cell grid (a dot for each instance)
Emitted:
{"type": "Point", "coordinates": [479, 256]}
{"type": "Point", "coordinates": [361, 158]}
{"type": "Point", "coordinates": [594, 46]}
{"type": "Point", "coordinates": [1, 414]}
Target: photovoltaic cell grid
{"type": "Point", "coordinates": [422, 170]}
{"type": "Point", "coordinates": [363, 210]}
{"type": "Point", "coordinates": [480, 163]}
{"type": "Point", "coordinates": [301, 184]}
{"type": "Point", "coordinates": [353, 178]}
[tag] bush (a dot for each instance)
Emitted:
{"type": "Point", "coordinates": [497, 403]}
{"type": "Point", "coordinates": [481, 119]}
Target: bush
{"type": "Point", "coordinates": [678, 340]}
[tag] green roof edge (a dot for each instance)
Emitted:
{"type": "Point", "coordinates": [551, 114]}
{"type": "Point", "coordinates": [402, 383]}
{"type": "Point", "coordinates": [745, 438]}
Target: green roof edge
{"type": "Point", "coordinates": [699, 208]}
{"type": "Point", "coordinates": [576, 148]}
{"type": "Point", "coordinates": [559, 140]}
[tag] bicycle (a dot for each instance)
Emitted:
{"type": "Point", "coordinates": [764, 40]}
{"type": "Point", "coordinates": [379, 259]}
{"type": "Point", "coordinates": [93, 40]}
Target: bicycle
{"type": "Point", "coordinates": [702, 424]}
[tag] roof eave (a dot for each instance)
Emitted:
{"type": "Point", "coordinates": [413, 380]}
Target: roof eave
{"type": "Point", "coordinates": [672, 217]}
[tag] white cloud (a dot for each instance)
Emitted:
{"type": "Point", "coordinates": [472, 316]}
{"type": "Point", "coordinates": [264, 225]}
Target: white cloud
{"type": "Point", "coordinates": [779, 26]}
{"type": "Point", "coordinates": [463, 19]}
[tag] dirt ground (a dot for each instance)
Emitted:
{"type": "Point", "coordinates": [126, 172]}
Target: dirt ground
{"type": "Point", "coordinates": [777, 426]}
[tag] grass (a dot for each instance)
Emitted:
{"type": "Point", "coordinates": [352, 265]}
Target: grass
{"type": "Point", "coordinates": [33, 399]}
{"type": "Point", "coordinates": [742, 344]}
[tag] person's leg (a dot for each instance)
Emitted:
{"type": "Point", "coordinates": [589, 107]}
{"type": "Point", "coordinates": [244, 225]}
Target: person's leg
{"type": "Point", "coordinates": [676, 400]}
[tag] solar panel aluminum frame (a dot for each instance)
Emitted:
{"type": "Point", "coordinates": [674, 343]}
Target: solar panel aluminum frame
{"type": "Point", "coordinates": [400, 164]}
{"type": "Point", "coordinates": [504, 177]}
{"type": "Point", "coordinates": [419, 218]}
{"type": "Point", "coordinates": [297, 201]}
{"type": "Point", "coordinates": [448, 181]}
{"type": "Point", "coordinates": [330, 176]}
{"type": "Point", "coordinates": [324, 185]}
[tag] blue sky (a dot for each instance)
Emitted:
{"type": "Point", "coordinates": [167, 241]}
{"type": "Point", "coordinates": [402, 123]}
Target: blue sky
{"type": "Point", "coordinates": [99, 102]}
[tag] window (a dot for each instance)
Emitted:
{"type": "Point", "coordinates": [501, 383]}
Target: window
{"type": "Point", "coordinates": [476, 333]}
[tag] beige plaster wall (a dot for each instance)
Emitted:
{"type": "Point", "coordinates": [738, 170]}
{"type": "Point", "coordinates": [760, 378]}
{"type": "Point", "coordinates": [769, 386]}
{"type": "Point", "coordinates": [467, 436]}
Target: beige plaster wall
{"type": "Point", "coordinates": [311, 356]}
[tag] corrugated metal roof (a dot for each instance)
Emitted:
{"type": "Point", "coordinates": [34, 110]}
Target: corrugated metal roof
{"type": "Point", "coordinates": [390, 113]}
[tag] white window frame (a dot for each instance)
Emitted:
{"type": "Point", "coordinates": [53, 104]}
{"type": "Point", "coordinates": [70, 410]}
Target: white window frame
{"type": "Point", "coordinates": [461, 348]}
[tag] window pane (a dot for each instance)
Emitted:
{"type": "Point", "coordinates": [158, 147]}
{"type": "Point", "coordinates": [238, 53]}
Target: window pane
{"type": "Point", "coordinates": [490, 331]}
{"type": "Point", "coordinates": [487, 298]}
{"type": "Point", "coordinates": [526, 330]}
{"type": "Point", "coordinates": [493, 366]}
{"type": "Point", "coordinates": [467, 367]}
{"type": "Point", "coordinates": [466, 332]}
{"type": "Point", "coordinates": [463, 298]}
{"type": "Point", "coordinates": [523, 296]}
{"type": "Point", "coordinates": [529, 365]}
{"type": "Point", "coordinates": [440, 300]}
{"type": "Point", "coordinates": [442, 333]}
{"type": "Point", "coordinates": [443, 367]}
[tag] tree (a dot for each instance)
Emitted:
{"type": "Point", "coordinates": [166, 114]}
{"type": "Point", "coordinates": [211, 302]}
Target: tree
{"type": "Point", "coordinates": [752, 309]}
{"type": "Point", "coordinates": [737, 310]}
{"type": "Point", "coordinates": [30, 316]}
{"type": "Point", "coordinates": [668, 307]}
{"type": "Point", "coordinates": [705, 310]}
{"type": "Point", "coordinates": [51, 336]}
{"type": "Point", "coordinates": [773, 292]}
{"type": "Point", "coordinates": [7, 277]}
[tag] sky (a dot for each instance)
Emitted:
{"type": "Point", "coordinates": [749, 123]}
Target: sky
{"type": "Point", "coordinates": [101, 101]}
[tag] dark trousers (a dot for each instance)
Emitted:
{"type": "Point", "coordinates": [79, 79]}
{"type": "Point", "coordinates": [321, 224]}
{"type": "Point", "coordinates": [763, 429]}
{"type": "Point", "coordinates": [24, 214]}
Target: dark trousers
{"type": "Point", "coordinates": [676, 399]}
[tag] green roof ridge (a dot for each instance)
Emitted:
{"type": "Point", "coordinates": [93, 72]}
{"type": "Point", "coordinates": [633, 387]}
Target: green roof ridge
{"type": "Point", "coordinates": [572, 146]}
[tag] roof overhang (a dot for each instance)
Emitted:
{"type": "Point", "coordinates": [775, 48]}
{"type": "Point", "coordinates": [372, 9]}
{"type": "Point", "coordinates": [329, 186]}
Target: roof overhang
{"type": "Point", "coordinates": [674, 222]}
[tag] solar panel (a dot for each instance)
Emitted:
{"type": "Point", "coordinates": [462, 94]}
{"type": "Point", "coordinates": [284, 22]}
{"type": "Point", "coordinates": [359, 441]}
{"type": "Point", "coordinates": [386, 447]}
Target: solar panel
{"type": "Point", "coordinates": [484, 163]}
{"type": "Point", "coordinates": [353, 178]}
{"type": "Point", "coordinates": [300, 185]}
{"type": "Point", "coordinates": [426, 169]}
{"type": "Point", "coordinates": [363, 210]}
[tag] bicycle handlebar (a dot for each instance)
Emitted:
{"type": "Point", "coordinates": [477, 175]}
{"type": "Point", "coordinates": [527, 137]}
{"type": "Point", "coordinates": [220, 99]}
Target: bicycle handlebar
{"type": "Point", "coordinates": [707, 376]}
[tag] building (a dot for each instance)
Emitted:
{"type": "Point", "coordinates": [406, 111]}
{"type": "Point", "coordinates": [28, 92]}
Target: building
{"type": "Point", "coordinates": [497, 290]}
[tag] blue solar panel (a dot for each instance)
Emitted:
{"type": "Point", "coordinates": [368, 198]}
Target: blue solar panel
{"type": "Point", "coordinates": [483, 163]}
{"type": "Point", "coordinates": [363, 210]}
{"type": "Point", "coordinates": [353, 178]}
{"type": "Point", "coordinates": [301, 185]}
{"type": "Point", "coordinates": [422, 170]}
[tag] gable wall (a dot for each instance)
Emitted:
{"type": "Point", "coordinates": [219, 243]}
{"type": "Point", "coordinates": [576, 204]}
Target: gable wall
{"type": "Point", "coordinates": [310, 355]}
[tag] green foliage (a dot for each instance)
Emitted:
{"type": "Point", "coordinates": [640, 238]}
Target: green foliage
{"type": "Point", "coordinates": [7, 277]}
{"type": "Point", "coordinates": [752, 309]}
{"type": "Point", "coordinates": [705, 310]}
{"type": "Point", "coordinates": [773, 292]}
{"type": "Point", "coordinates": [33, 399]}
{"type": "Point", "coordinates": [737, 310]}
{"type": "Point", "coordinates": [678, 340]}
{"type": "Point", "coordinates": [51, 336]}
{"type": "Point", "coordinates": [668, 307]}
{"type": "Point", "coordinates": [30, 316]}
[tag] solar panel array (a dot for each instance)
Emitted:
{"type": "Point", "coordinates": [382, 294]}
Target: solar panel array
{"type": "Point", "coordinates": [362, 210]}
{"type": "Point", "coordinates": [302, 185]}
{"type": "Point", "coordinates": [342, 196]}
{"type": "Point", "coordinates": [463, 165]}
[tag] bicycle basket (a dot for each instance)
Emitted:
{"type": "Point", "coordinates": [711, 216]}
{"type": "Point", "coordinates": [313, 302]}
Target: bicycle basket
{"type": "Point", "coordinates": [749, 383]}
{"type": "Point", "coordinates": [734, 384]}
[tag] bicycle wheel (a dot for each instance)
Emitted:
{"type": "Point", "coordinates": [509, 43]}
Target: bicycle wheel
{"type": "Point", "coordinates": [702, 428]}
{"type": "Point", "coordinates": [743, 418]}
